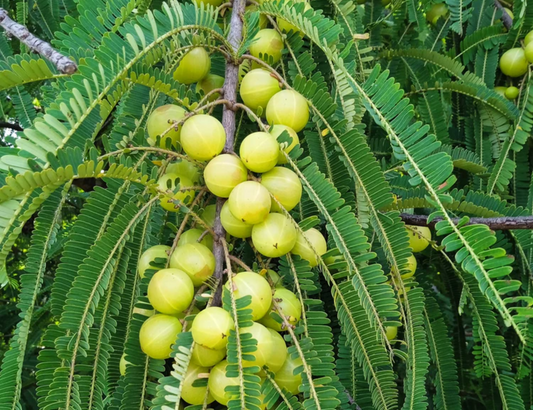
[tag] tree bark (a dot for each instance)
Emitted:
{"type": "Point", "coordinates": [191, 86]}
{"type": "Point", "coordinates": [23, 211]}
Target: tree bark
{"type": "Point", "coordinates": [12, 28]}
{"type": "Point", "coordinates": [228, 121]}
{"type": "Point", "coordinates": [10, 125]}
{"type": "Point", "coordinates": [499, 223]}
{"type": "Point", "coordinates": [506, 18]}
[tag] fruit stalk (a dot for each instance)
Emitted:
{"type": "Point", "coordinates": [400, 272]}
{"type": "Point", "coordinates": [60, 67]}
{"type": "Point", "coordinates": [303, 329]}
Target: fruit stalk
{"type": "Point", "coordinates": [499, 223]}
{"type": "Point", "coordinates": [12, 28]}
{"type": "Point", "coordinates": [228, 122]}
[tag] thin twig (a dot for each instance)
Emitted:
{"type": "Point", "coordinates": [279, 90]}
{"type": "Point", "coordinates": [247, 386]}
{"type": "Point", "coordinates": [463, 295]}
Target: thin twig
{"type": "Point", "coordinates": [228, 121]}
{"type": "Point", "coordinates": [498, 223]}
{"type": "Point", "coordinates": [12, 126]}
{"type": "Point", "coordinates": [240, 263]}
{"type": "Point", "coordinates": [12, 28]}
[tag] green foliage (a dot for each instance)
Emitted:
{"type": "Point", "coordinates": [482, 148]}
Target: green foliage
{"type": "Point", "coordinates": [404, 118]}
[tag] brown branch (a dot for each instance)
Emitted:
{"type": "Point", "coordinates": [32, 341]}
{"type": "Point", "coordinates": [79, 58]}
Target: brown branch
{"type": "Point", "coordinates": [10, 125]}
{"type": "Point", "coordinates": [228, 121]}
{"type": "Point", "coordinates": [63, 63]}
{"type": "Point", "coordinates": [498, 223]}
{"type": "Point", "coordinates": [506, 18]}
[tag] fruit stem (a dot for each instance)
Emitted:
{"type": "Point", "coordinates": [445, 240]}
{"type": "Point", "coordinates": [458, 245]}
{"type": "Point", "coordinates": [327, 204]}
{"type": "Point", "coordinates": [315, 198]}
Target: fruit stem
{"type": "Point", "coordinates": [228, 122]}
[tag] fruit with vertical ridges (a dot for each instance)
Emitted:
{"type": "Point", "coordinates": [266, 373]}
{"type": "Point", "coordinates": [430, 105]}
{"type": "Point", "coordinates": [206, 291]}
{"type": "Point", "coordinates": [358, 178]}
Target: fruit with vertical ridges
{"type": "Point", "coordinates": [170, 291]}
{"type": "Point", "coordinates": [223, 173]}
{"type": "Point", "coordinates": [287, 108]}
{"type": "Point", "coordinates": [232, 225]}
{"type": "Point", "coordinates": [303, 249]}
{"type": "Point", "coordinates": [211, 328]}
{"type": "Point", "coordinates": [160, 120]}
{"type": "Point", "coordinates": [257, 88]}
{"type": "Point", "coordinates": [284, 185]}
{"type": "Point", "coordinates": [167, 183]}
{"type": "Point", "coordinates": [196, 260]}
{"type": "Point", "coordinates": [149, 256]}
{"type": "Point", "coordinates": [267, 42]}
{"type": "Point", "coordinates": [157, 335]}
{"type": "Point", "coordinates": [264, 346]}
{"type": "Point", "coordinates": [410, 268]}
{"type": "Point", "coordinates": [259, 152]}
{"type": "Point", "coordinates": [218, 381]}
{"type": "Point", "coordinates": [203, 137]}
{"type": "Point", "coordinates": [279, 352]}
{"type": "Point", "coordinates": [513, 62]}
{"type": "Point", "coordinates": [203, 356]}
{"type": "Point", "coordinates": [184, 168]}
{"type": "Point", "coordinates": [275, 236]}
{"type": "Point", "coordinates": [276, 131]}
{"type": "Point", "coordinates": [289, 305]}
{"type": "Point", "coordinates": [209, 83]}
{"type": "Point", "coordinates": [250, 202]}
{"type": "Point", "coordinates": [189, 393]}
{"type": "Point", "coordinates": [285, 377]}
{"type": "Point", "coordinates": [192, 236]}
{"type": "Point", "coordinates": [256, 286]}
{"type": "Point", "coordinates": [418, 237]}
{"type": "Point", "coordinates": [208, 215]}
{"type": "Point", "coordinates": [194, 66]}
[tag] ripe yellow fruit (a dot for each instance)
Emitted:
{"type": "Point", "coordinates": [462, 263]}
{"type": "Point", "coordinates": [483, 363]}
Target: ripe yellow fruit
{"type": "Point", "coordinates": [285, 376]}
{"type": "Point", "coordinates": [122, 365]}
{"type": "Point", "coordinates": [276, 131]}
{"type": "Point", "coordinates": [279, 352]}
{"type": "Point", "coordinates": [149, 256]}
{"type": "Point", "coordinates": [290, 307]}
{"type": "Point", "coordinates": [232, 225]}
{"type": "Point", "coordinates": [209, 83]}
{"type": "Point", "coordinates": [436, 11]}
{"type": "Point", "coordinates": [256, 286]}
{"type": "Point", "coordinates": [192, 236]}
{"type": "Point", "coordinates": [189, 393]}
{"type": "Point", "coordinates": [287, 27]}
{"type": "Point", "coordinates": [194, 66]}
{"type": "Point", "coordinates": [170, 291]}
{"type": "Point", "coordinates": [257, 88]}
{"type": "Point", "coordinates": [528, 38]}
{"type": "Point", "coordinates": [157, 335]}
{"type": "Point", "coordinates": [419, 237]}
{"type": "Point", "coordinates": [392, 332]}
{"type": "Point", "coordinates": [267, 42]}
{"type": "Point", "coordinates": [259, 152]}
{"type": "Point", "coordinates": [249, 202]}
{"type": "Point", "coordinates": [218, 381]}
{"type": "Point", "coordinates": [264, 344]}
{"type": "Point", "coordinates": [203, 137]}
{"type": "Point", "coordinates": [277, 281]}
{"type": "Point", "coordinates": [196, 260]}
{"type": "Point", "coordinates": [287, 108]}
{"type": "Point", "coordinates": [284, 185]}
{"type": "Point", "coordinates": [167, 183]}
{"type": "Point", "coordinates": [160, 120]}
{"type": "Point", "coordinates": [208, 215]}
{"type": "Point", "coordinates": [305, 251]}
{"type": "Point", "coordinates": [203, 356]}
{"type": "Point", "coordinates": [223, 173]}
{"type": "Point", "coordinates": [211, 328]}
{"type": "Point", "coordinates": [513, 62]}
{"type": "Point", "coordinates": [275, 236]}
{"type": "Point", "coordinates": [411, 267]}
{"type": "Point", "coordinates": [184, 168]}
{"type": "Point", "coordinates": [214, 3]}
{"type": "Point", "coordinates": [512, 93]}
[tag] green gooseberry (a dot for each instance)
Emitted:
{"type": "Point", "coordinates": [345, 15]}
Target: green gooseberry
{"type": "Point", "coordinates": [259, 152]}
{"type": "Point", "coordinates": [209, 83]}
{"type": "Point", "coordinates": [192, 236]}
{"type": "Point", "coordinates": [275, 236]}
{"type": "Point", "coordinates": [196, 260]}
{"type": "Point", "coordinates": [267, 42]}
{"type": "Point", "coordinates": [194, 66]}
{"type": "Point", "coordinates": [160, 120]}
{"type": "Point", "coordinates": [235, 227]}
{"type": "Point", "coordinates": [257, 88]}
{"type": "Point", "coordinates": [284, 185]}
{"type": "Point", "coordinates": [203, 137]}
{"type": "Point", "coordinates": [288, 108]}
{"type": "Point", "coordinates": [223, 173]}
{"type": "Point", "coordinates": [311, 239]}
